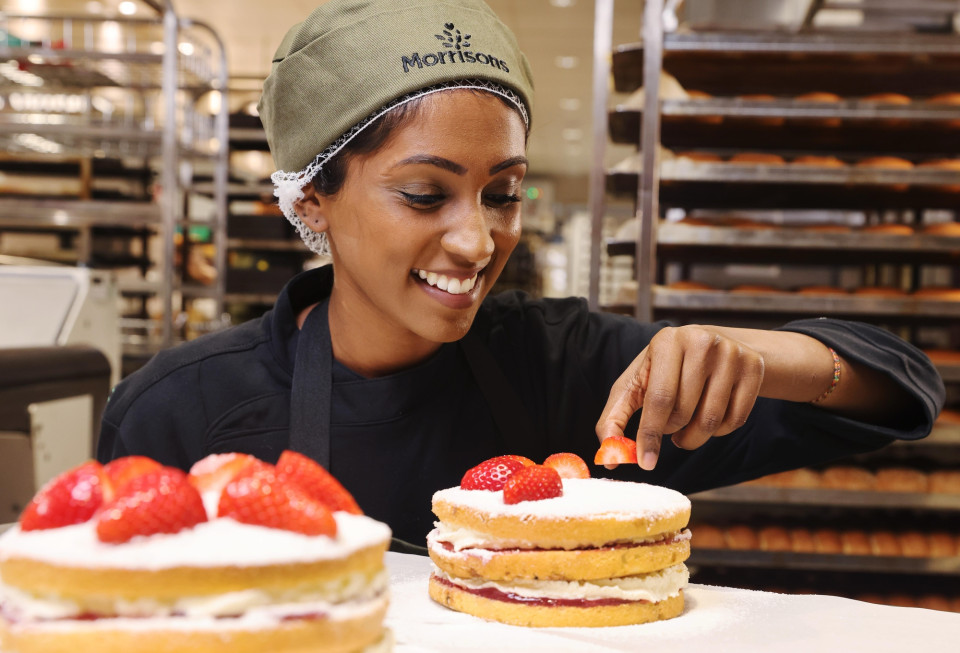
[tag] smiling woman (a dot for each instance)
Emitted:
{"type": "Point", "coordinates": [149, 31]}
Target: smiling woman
{"type": "Point", "coordinates": [397, 369]}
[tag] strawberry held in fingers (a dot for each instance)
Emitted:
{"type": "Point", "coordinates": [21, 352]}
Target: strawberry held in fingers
{"type": "Point", "coordinates": [533, 483]}
{"type": "Point", "coordinates": [316, 481]}
{"type": "Point", "coordinates": [73, 497]}
{"type": "Point", "coordinates": [159, 501]}
{"type": "Point", "coordinates": [616, 450]}
{"type": "Point", "coordinates": [491, 474]}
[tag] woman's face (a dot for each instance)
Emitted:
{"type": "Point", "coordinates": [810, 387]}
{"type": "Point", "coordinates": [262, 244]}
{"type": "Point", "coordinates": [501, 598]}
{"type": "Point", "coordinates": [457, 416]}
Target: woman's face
{"type": "Point", "coordinates": [423, 226]}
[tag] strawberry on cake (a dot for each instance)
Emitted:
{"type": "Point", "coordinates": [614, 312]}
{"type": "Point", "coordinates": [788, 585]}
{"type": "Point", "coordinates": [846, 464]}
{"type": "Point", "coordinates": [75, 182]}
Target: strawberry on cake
{"type": "Point", "coordinates": [239, 556]}
{"type": "Point", "coordinates": [545, 545]}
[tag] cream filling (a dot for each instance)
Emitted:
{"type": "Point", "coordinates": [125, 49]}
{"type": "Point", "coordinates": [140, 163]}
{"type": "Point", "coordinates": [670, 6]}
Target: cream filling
{"type": "Point", "coordinates": [465, 538]}
{"type": "Point", "coordinates": [453, 286]}
{"type": "Point", "coordinates": [265, 617]}
{"type": "Point", "coordinates": [355, 588]}
{"type": "Point", "coordinates": [654, 587]}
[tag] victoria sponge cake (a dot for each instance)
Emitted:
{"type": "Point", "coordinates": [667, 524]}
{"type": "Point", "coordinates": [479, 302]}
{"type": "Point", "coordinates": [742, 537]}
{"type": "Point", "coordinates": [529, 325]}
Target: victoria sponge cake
{"type": "Point", "coordinates": [588, 552]}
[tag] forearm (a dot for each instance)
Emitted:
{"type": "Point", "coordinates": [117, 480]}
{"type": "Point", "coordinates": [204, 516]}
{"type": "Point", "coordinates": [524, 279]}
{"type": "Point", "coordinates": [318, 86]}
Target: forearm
{"type": "Point", "coordinates": [800, 368]}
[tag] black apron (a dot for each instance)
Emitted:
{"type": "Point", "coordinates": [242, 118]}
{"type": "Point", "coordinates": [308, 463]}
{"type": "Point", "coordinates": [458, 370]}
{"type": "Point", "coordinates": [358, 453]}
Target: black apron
{"type": "Point", "coordinates": [312, 390]}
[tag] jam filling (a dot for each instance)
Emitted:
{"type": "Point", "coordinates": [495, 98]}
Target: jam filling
{"type": "Point", "coordinates": [607, 547]}
{"type": "Point", "coordinates": [12, 618]}
{"type": "Point", "coordinates": [496, 595]}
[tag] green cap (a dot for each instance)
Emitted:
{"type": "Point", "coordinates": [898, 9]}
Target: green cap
{"type": "Point", "coordinates": [350, 58]}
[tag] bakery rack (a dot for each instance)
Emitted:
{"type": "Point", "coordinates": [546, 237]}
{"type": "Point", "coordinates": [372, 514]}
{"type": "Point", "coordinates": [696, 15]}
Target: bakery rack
{"type": "Point", "coordinates": [660, 179]}
{"type": "Point", "coordinates": [131, 111]}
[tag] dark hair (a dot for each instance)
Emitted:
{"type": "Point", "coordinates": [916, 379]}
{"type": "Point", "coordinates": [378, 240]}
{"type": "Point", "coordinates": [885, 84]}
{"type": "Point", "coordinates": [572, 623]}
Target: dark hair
{"type": "Point", "coordinates": [333, 173]}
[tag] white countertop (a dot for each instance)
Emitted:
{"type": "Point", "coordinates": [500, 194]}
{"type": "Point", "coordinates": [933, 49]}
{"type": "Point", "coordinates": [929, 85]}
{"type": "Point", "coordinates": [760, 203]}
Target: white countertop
{"type": "Point", "coordinates": [715, 619]}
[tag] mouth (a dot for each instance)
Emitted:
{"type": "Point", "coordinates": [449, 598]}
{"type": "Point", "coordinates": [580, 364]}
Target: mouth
{"type": "Point", "coordinates": [450, 285]}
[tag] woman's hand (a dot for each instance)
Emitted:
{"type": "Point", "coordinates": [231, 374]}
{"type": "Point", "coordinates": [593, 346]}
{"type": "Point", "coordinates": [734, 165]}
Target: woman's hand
{"type": "Point", "coordinates": [693, 382]}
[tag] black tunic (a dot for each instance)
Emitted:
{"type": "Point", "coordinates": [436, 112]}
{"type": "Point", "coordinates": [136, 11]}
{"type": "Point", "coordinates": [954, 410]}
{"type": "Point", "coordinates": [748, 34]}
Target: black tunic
{"type": "Point", "coordinates": [397, 439]}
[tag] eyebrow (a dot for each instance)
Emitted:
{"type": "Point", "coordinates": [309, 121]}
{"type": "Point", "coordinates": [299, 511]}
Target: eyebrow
{"type": "Point", "coordinates": [456, 168]}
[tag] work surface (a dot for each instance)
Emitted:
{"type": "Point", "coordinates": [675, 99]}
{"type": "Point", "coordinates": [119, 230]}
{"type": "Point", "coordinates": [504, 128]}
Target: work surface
{"type": "Point", "coordinates": [715, 619]}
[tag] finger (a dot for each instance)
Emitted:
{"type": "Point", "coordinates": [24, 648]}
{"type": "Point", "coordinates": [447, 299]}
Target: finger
{"type": "Point", "coordinates": [743, 398]}
{"type": "Point", "coordinates": [710, 412]}
{"type": "Point", "coordinates": [659, 399]}
{"type": "Point", "coordinates": [690, 386]}
{"type": "Point", "coordinates": [625, 399]}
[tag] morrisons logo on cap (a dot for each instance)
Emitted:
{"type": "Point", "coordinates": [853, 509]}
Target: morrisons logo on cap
{"type": "Point", "coordinates": [454, 43]}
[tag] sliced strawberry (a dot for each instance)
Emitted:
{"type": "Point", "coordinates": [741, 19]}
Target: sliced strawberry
{"type": "Point", "coordinates": [122, 470]}
{"type": "Point", "coordinates": [160, 501]}
{"type": "Point", "coordinates": [616, 450]}
{"type": "Point", "coordinates": [211, 474]}
{"type": "Point", "coordinates": [317, 482]}
{"type": "Point", "coordinates": [491, 474]}
{"type": "Point", "coordinates": [533, 483]}
{"type": "Point", "coordinates": [258, 497]}
{"type": "Point", "coordinates": [568, 465]}
{"type": "Point", "coordinates": [526, 461]}
{"type": "Point", "coordinates": [73, 497]}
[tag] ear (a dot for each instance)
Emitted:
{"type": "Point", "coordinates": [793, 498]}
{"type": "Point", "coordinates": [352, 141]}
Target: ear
{"type": "Point", "coordinates": [312, 209]}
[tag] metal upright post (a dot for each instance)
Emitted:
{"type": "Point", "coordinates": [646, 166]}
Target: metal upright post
{"type": "Point", "coordinates": [168, 179]}
{"type": "Point", "coordinates": [602, 46]}
{"type": "Point", "coordinates": [645, 260]}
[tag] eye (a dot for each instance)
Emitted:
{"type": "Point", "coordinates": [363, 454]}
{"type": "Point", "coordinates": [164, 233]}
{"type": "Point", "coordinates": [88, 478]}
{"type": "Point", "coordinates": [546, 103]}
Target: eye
{"type": "Point", "coordinates": [421, 201]}
{"type": "Point", "coordinates": [502, 200]}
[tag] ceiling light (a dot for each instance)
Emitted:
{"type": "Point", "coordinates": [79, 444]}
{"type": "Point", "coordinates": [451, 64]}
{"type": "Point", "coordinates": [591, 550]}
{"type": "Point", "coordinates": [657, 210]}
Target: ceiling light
{"type": "Point", "coordinates": [570, 103]}
{"type": "Point", "coordinates": [563, 4]}
{"type": "Point", "coordinates": [186, 48]}
{"type": "Point", "coordinates": [127, 8]}
{"type": "Point", "coordinates": [567, 61]}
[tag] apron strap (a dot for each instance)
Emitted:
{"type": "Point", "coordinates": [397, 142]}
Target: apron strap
{"type": "Point", "coordinates": [312, 388]}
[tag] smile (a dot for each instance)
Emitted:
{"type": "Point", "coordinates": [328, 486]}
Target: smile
{"type": "Point", "coordinates": [453, 286]}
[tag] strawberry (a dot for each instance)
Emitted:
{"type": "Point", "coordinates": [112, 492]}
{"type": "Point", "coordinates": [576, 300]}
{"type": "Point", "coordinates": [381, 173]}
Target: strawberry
{"type": "Point", "coordinates": [568, 465]}
{"type": "Point", "coordinates": [532, 483]}
{"type": "Point", "coordinates": [159, 501]}
{"type": "Point", "coordinates": [316, 481]}
{"type": "Point", "coordinates": [526, 461]}
{"type": "Point", "coordinates": [73, 497]}
{"type": "Point", "coordinates": [615, 450]}
{"type": "Point", "coordinates": [491, 474]}
{"type": "Point", "coordinates": [257, 496]}
{"type": "Point", "coordinates": [122, 470]}
{"type": "Point", "coordinates": [211, 474]}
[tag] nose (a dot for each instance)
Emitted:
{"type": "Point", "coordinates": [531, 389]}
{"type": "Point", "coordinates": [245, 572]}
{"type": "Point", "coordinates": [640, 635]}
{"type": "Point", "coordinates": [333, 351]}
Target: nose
{"type": "Point", "coordinates": [469, 235]}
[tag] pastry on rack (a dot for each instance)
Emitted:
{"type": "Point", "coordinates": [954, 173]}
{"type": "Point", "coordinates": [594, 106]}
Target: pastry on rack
{"type": "Point", "coordinates": [741, 538]}
{"type": "Point", "coordinates": [914, 544]}
{"type": "Point", "coordinates": [952, 99]}
{"type": "Point", "coordinates": [889, 98]}
{"type": "Point", "coordinates": [848, 477]}
{"type": "Point", "coordinates": [901, 479]}
{"type": "Point", "coordinates": [939, 293]}
{"type": "Point", "coordinates": [944, 481]}
{"type": "Point", "coordinates": [943, 229]}
{"type": "Point", "coordinates": [942, 545]}
{"type": "Point", "coordinates": [887, 163]}
{"type": "Point", "coordinates": [855, 543]}
{"type": "Point", "coordinates": [768, 121]}
{"type": "Point", "coordinates": [827, 541]}
{"type": "Point", "coordinates": [889, 292]}
{"type": "Point", "coordinates": [765, 158]}
{"type": "Point", "coordinates": [707, 536]}
{"type": "Point", "coordinates": [820, 161]}
{"type": "Point", "coordinates": [700, 95]}
{"type": "Point", "coordinates": [801, 541]}
{"type": "Point", "coordinates": [827, 98]}
{"type": "Point", "coordinates": [891, 228]}
{"type": "Point", "coordinates": [774, 538]}
{"type": "Point", "coordinates": [822, 291]}
{"type": "Point", "coordinates": [953, 165]}
{"type": "Point", "coordinates": [885, 543]}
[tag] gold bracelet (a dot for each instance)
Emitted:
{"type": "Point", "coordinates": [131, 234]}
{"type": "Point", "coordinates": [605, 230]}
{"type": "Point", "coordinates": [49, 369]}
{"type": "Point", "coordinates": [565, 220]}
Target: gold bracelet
{"type": "Point", "coordinates": [836, 377]}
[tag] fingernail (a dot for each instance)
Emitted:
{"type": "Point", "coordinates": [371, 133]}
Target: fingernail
{"type": "Point", "coordinates": [649, 460]}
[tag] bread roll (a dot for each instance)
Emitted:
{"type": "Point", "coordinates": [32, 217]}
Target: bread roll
{"type": "Point", "coordinates": [947, 98]}
{"type": "Point", "coordinates": [949, 417]}
{"type": "Point", "coordinates": [700, 95]}
{"type": "Point", "coordinates": [943, 356]}
{"type": "Point", "coordinates": [914, 545]}
{"type": "Point", "coordinates": [801, 541]}
{"type": "Point", "coordinates": [821, 290]}
{"type": "Point", "coordinates": [887, 163]}
{"type": "Point", "coordinates": [944, 482]}
{"type": "Point", "coordinates": [828, 228]}
{"type": "Point", "coordinates": [774, 538]}
{"type": "Point", "coordinates": [751, 288]}
{"type": "Point", "coordinates": [880, 291]}
{"type": "Point", "coordinates": [689, 285]}
{"type": "Point", "coordinates": [943, 229]}
{"type": "Point", "coordinates": [901, 479]}
{"type": "Point", "coordinates": [855, 543]}
{"type": "Point", "coordinates": [706, 536]}
{"type": "Point", "coordinates": [820, 161]}
{"type": "Point", "coordinates": [844, 477]}
{"type": "Point", "coordinates": [901, 601]}
{"type": "Point", "coordinates": [700, 157]}
{"type": "Point", "coordinates": [895, 229]}
{"type": "Point", "coordinates": [827, 541]}
{"type": "Point", "coordinates": [820, 97]}
{"type": "Point", "coordinates": [769, 121]}
{"type": "Point", "coordinates": [757, 157]}
{"type": "Point", "coordinates": [741, 538]}
{"type": "Point", "coordinates": [942, 545]}
{"type": "Point", "coordinates": [888, 98]}
{"type": "Point", "coordinates": [943, 164]}
{"type": "Point", "coordinates": [885, 543]}
{"type": "Point", "coordinates": [934, 602]}
{"type": "Point", "coordinates": [939, 293]}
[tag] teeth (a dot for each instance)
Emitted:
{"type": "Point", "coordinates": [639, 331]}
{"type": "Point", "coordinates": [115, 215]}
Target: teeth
{"type": "Point", "coordinates": [452, 286]}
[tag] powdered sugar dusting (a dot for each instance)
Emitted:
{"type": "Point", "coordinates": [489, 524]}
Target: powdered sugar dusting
{"type": "Point", "coordinates": [588, 498]}
{"type": "Point", "coordinates": [220, 542]}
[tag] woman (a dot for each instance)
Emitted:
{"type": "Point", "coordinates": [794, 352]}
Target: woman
{"type": "Point", "coordinates": [395, 369]}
